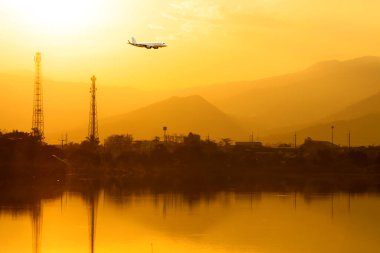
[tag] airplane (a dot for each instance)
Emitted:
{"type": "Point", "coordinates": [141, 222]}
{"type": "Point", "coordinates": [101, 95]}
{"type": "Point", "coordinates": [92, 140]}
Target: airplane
{"type": "Point", "coordinates": [147, 45]}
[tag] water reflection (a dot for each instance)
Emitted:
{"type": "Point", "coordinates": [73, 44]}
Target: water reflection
{"type": "Point", "coordinates": [36, 224]}
{"type": "Point", "coordinates": [106, 221]}
{"type": "Point", "coordinates": [92, 206]}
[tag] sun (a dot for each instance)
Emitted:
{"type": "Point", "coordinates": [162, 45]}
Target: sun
{"type": "Point", "coordinates": [55, 17]}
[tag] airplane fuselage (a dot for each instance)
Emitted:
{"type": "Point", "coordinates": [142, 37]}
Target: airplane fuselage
{"type": "Point", "coordinates": [148, 45]}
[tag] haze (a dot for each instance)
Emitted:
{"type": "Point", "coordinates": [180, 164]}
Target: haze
{"type": "Point", "coordinates": [210, 41]}
{"type": "Point", "coordinates": [248, 67]}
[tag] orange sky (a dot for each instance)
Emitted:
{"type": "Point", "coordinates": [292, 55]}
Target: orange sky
{"type": "Point", "coordinates": [209, 41]}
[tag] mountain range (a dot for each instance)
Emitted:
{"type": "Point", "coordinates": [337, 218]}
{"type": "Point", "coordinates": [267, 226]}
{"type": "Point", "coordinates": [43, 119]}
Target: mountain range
{"type": "Point", "coordinates": [307, 96]}
{"type": "Point", "coordinates": [340, 93]}
{"type": "Point", "coordinates": [181, 115]}
{"type": "Point", "coordinates": [361, 120]}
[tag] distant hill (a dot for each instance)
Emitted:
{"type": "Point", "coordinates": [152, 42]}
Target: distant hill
{"type": "Point", "coordinates": [66, 105]}
{"type": "Point", "coordinates": [370, 105]}
{"type": "Point", "coordinates": [364, 131]}
{"type": "Point", "coordinates": [334, 91]}
{"type": "Point", "coordinates": [361, 118]}
{"type": "Point", "coordinates": [305, 97]}
{"type": "Point", "coordinates": [217, 92]}
{"type": "Point", "coordinates": [180, 114]}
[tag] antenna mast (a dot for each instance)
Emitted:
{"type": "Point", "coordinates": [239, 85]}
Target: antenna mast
{"type": "Point", "coordinates": [38, 113]}
{"type": "Point", "coordinates": [93, 122]}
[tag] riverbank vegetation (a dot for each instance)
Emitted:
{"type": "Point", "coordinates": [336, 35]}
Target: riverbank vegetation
{"type": "Point", "coordinates": [192, 164]}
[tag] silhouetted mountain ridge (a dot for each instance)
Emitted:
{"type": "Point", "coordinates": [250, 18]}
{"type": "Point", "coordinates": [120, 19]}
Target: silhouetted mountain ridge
{"type": "Point", "coordinates": [307, 96]}
{"type": "Point", "coordinates": [66, 104]}
{"type": "Point", "coordinates": [180, 114]}
{"type": "Point", "coordinates": [370, 105]}
{"type": "Point", "coordinates": [347, 90]}
{"type": "Point", "coordinates": [364, 131]}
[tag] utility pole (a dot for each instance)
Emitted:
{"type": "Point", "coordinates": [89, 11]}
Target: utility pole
{"type": "Point", "coordinates": [165, 136]}
{"type": "Point", "coordinates": [62, 141]}
{"type": "Point", "coordinates": [349, 139]}
{"type": "Point", "coordinates": [332, 135]}
{"type": "Point", "coordinates": [295, 140]}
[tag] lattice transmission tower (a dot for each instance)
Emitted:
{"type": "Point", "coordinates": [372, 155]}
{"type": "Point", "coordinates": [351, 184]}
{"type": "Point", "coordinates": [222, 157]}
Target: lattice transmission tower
{"type": "Point", "coordinates": [38, 112]}
{"type": "Point", "coordinates": [93, 122]}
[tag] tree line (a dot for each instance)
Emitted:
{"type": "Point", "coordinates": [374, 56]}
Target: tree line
{"type": "Point", "coordinates": [193, 163]}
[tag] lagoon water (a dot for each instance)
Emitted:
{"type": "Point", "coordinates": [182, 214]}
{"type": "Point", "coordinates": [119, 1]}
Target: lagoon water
{"type": "Point", "coordinates": [218, 222]}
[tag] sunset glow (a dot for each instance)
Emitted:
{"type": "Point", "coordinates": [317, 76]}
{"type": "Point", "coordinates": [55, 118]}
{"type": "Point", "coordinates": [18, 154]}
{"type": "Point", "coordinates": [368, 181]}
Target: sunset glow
{"type": "Point", "coordinates": [55, 17]}
{"type": "Point", "coordinates": [218, 40]}
{"type": "Point", "coordinates": [210, 42]}
{"type": "Point", "coordinates": [205, 126]}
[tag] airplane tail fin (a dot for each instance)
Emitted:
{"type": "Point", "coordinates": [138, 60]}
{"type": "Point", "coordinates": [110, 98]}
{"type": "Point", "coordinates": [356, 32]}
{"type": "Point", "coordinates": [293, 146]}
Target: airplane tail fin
{"type": "Point", "coordinates": [133, 40]}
